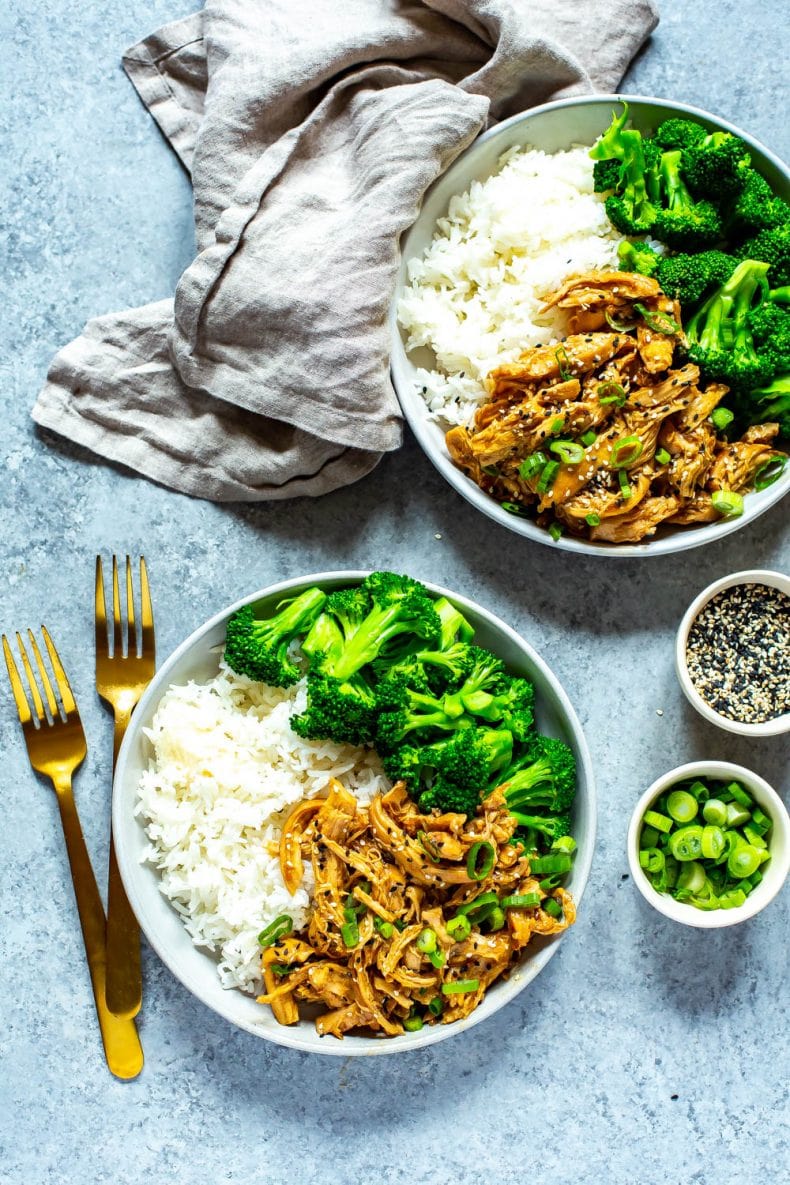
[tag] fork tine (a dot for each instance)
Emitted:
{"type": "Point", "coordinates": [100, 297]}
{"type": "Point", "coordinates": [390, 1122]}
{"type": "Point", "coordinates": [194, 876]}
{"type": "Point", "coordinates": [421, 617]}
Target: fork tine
{"type": "Point", "coordinates": [147, 611]}
{"type": "Point", "coordinates": [131, 630]}
{"type": "Point", "coordinates": [100, 612]}
{"type": "Point", "coordinates": [117, 632]}
{"type": "Point", "coordinates": [38, 706]}
{"type": "Point", "coordinates": [64, 688]}
{"type": "Point", "coordinates": [20, 699]}
{"type": "Point", "coordinates": [54, 710]}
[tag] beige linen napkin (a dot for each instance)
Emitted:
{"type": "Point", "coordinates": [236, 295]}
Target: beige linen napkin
{"type": "Point", "coordinates": [311, 130]}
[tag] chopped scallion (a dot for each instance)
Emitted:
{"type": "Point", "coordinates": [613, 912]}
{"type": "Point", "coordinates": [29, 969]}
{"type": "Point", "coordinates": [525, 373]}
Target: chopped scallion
{"type": "Point", "coordinates": [727, 503]}
{"type": "Point", "coordinates": [459, 987]}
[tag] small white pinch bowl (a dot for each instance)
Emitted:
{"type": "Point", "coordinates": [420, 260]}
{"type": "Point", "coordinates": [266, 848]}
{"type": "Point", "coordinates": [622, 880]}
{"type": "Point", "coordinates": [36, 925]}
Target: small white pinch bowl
{"type": "Point", "coordinates": [197, 658]}
{"type": "Point", "coordinates": [774, 872]}
{"type": "Point", "coordinates": [779, 724]}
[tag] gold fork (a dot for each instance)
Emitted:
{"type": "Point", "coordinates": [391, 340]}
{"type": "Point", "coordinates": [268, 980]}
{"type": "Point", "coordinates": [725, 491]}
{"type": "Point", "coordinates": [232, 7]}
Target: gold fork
{"type": "Point", "coordinates": [121, 678]}
{"type": "Point", "coordinates": [56, 746]}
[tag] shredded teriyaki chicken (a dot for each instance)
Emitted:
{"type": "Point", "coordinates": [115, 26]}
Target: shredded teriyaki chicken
{"type": "Point", "coordinates": [643, 450]}
{"type": "Point", "coordinates": [400, 875]}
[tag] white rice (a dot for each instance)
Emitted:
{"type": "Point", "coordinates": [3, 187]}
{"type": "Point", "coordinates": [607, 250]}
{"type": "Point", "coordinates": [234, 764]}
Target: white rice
{"type": "Point", "coordinates": [226, 767]}
{"type": "Point", "coordinates": [475, 296]}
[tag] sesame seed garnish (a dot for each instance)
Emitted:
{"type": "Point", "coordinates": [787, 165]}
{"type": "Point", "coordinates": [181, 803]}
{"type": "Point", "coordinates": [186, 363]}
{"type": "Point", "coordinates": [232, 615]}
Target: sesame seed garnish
{"type": "Point", "coordinates": [738, 653]}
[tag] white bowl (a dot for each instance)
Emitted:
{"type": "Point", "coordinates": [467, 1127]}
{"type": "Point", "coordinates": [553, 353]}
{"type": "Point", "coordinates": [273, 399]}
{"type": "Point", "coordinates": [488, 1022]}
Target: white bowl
{"type": "Point", "coordinates": [553, 127]}
{"type": "Point", "coordinates": [767, 728]}
{"type": "Point", "coordinates": [197, 658]}
{"type": "Point", "coordinates": [774, 874]}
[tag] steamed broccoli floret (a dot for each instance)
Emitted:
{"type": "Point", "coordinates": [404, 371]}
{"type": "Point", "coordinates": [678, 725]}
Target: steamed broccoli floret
{"type": "Point", "coordinates": [629, 208]}
{"type": "Point", "coordinates": [484, 676]}
{"type": "Point", "coordinates": [341, 710]}
{"type": "Point", "coordinates": [405, 707]}
{"type": "Point", "coordinates": [462, 768]}
{"type": "Point", "coordinates": [770, 326]}
{"type": "Point", "coordinates": [638, 257]}
{"type": "Point", "coordinates": [688, 278]}
{"type": "Point", "coordinates": [511, 704]}
{"type": "Point", "coordinates": [455, 627]}
{"type": "Point", "coordinates": [606, 175]}
{"type": "Point", "coordinates": [547, 782]}
{"type": "Point", "coordinates": [683, 222]}
{"type": "Point", "coordinates": [771, 247]}
{"type": "Point", "coordinates": [719, 334]}
{"type": "Point", "coordinates": [537, 831]}
{"type": "Point", "coordinates": [441, 669]}
{"type": "Point", "coordinates": [716, 166]}
{"type": "Point", "coordinates": [678, 133]}
{"type": "Point", "coordinates": [770, 405]}
{"type": "Point", "coordinates": [258, 646]}
{"type": "Point", "coordinates": [755, 208]}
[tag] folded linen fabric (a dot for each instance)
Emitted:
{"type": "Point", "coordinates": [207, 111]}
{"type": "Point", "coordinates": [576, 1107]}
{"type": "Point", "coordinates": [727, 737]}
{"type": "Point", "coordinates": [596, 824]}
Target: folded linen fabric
{"type": "Point", "coordinates": [311, 131]}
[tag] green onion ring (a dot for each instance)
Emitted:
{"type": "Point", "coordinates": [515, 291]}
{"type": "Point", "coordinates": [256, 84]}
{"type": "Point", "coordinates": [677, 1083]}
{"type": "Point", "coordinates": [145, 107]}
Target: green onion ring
{"type": "Point", "coordinates": [459, 928]}
{"type": "Point", "coordinates": [563, 362]}
{"type": "Point", "coordinates": [521, 901]}
{"type": "Point", "coordinates": [550, 471]}
{"type": "Point", "coordinates": [429, 847]}
{"type": "Point", "coordinates": [568, 451]}
{"type": "Point", "coordinates": [460, 986]}
{"type": "Point", "coordinates": [727, 503]}
{"type": "Point", "coordinates": [657, 321]}
{"type": "Point", "coordinates": [279, 928]}
{"type": "Point", "coordinates": [619, 326]}
{"type": "Point", "coordinates": [480, 860]}
{"type": "Point", "coordinates": [611, 393]}
{"type": "Point", "coordinates": [349, 932]}
{"type": "Point", "coordinates": [773, 469]}
{"type": "Point", "coordinates": [632, 446]}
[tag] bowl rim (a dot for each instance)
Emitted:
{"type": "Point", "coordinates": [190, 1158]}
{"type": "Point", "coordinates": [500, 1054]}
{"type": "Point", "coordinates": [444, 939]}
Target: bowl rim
{"type": "Point", "coordinates": [762, 895]}
{"type": "Point", "coordinates": [773, 727]}
{"type": "Point", "coordinates": [282, 1035]}
{"type": "Point", "coordinates": [415, 411]}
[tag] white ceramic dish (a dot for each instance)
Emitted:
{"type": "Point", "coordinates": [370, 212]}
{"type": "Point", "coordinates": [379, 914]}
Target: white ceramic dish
{"type": "Point", "coordinates": [750, 576]}
{"type": "Point", "coordinates": [774, 873]}
{"type": "Point", "coordinates": [197, 658]}
{"type": "Point", "coordinates": [554, 127]}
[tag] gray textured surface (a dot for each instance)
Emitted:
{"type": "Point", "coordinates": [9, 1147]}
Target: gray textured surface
{"type": "Point", "coordinates": [645, 1052]}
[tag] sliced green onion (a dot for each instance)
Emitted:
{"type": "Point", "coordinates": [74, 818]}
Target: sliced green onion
{"type": "Point", "coordinates": [648, 837]}
{"type": "Point", "coordinates": [737, 815]}
{"type": "Point", "coordinates": [625, 452]}
{"type": "Point", "coordinates": [532, 464]}
{"type": "Point", "coordinates": [478, 903]}
{"type": "Point", "coordinates": [426, 941]}
{"type": "Point", "coordinates": [700, 791]}
{"type": "Point", "coordinates": [428, 846]}
{"type": "Point", "coordinates": [385, 929]}
{"type": "Point", "coordinates": [713, 841]}
{"type": "Point", "coordinates": [480, 860]}
{"type": "Point", "coordinates": [437, 957]}
{"type": "Point", "coordinates": [625, 488]}
{"type": "Point", "coordinates": [592, 520]}
{"type": "Point", "coordinates": [279, 928]}
{"type": "Point", "coordinates": [657, 321]}
{"type": "Point", "coordinates": [550, 471]}
{"type": "Point", "coordinates": [413, 1023]}
{"type": "Point", "coordinates": [521, 901]}
{"type": "Point", "coordinates": [663, 457]}
{"type": "Point", "coordinates": [721, 418]}
{"type": "Point", "coordinates": [743, 860]}
{"type": "Point", "coordinates": [569, 452]}
{"type": "Point", "coordinates": [739, 795]}
{"type": "Point", "coordinates": [769, 472]}
{"type": "Point", "coordinates": [691, 876]}
{"type": "Point", "coordinates": [754, 837]}
{"type": "Point", "coordinates": [436, 1006]}
{"type": "Point", "coordinates": [281, 968]}
{"type": "Point", "coordinates": [554, 862]}
{"type": "Point", "coordinates": [660, 822]}
{"type": "Point", "coordinates": [588, 438]}
{"type": "Point", "coordinates": [655, 860]}
{"type": "Point", "coordinates": [715, 811]}
{"type": "Point", "coordinates": [515, 508]}
{"type": "Point", "coordinates": [349, 932]}
{"type": "Point", "coordinates": [555, 530]}
{"type": "Point", "coordinates": [618, 326]}
{"type": "Point", "coordinates": [727, 503]}
{"type": "Point", "coordinates": [564, 363]}
{"type": "Point", "coordinates": [459, 928]}
{"type": "Point", "coordinates": [552, 907]}
{"type": "Point", "coordinates": [682, 806]}
{"type": "Point", "coordinates": [611, 393]}
{"type": "Point", "coordinates": [495, 919]}
{"type": "Point", "coordinates": [564, 843]}
{"type": "Point", "coordinates": [686, 843]}
{"type": "Point", "coordinates": [557, 424]}
{"type": "Point", "coordinates": [732, 899]}
{"type": "Point", "coordinates": [460, 986]}
{"type": "Point", "coordinates": [760, 820]}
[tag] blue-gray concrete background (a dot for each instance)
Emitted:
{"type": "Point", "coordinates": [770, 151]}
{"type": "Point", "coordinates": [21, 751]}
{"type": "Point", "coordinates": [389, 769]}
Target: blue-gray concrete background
{"type": "Point", "coordinates": [646, 1053]}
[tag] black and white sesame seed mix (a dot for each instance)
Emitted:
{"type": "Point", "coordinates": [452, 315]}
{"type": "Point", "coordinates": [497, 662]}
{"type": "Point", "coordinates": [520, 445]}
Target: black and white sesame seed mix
{"type": "Point", "coordinates": [738, 653]}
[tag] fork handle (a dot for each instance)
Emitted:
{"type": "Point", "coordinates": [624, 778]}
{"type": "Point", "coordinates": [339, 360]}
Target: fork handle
{"type": "Point", "coordinates": [122, 1047]}
{"type": "Point", "coordinates": [124, 971]}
